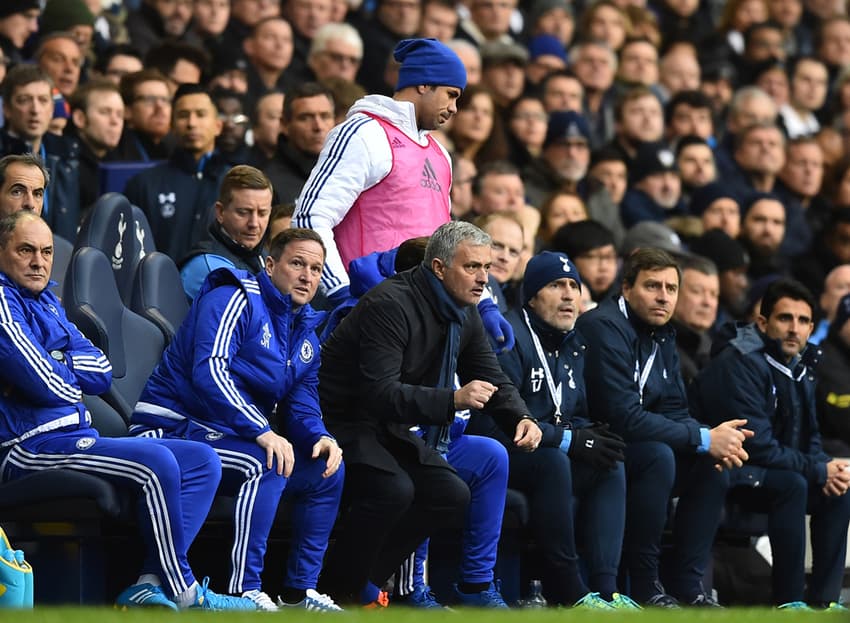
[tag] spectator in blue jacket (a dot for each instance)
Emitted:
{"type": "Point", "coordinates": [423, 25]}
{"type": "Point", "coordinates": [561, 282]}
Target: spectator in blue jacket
{"type": "Point", "coordinates": [634, 383]}
{"type": "Point", "coordinates": [235, 236]}
{"type": "Point", "coordinates": [44, 425]}
{"type": "Point", "coordinates": [765, 374]}
{"type": "Point", "coordinates": [582, 460]}
{"type": "Point", "coordinates": [247, 351]}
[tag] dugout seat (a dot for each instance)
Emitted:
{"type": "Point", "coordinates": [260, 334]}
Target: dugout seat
{"type": "Point", "coordinates": [132, 344]}
{"type": "Point", "coordinates": [158, 293]}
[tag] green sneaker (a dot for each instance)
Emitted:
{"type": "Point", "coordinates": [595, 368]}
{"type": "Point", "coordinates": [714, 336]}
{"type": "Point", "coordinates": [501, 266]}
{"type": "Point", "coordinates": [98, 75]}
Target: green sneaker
{"type": "Point", "coordinates": [836, 606]}
{"type": "Point", "coordinates": [796, 605]}
{"type": "Point", "coordinates": [623, 602]}
{"type": "Point", "coordinates": [592, 601]}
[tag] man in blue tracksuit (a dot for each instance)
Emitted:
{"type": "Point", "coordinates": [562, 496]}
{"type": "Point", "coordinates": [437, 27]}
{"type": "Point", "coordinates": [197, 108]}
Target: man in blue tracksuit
{"type": "Point", "coordinates": [764, 373]}
{"type": "Point", "coordinates": [582, 462]}
{"type": "Point", "coordinates": [634, 383]}
{"type": "Point", "coordinates": [246, 352]}
{"type": "Point", "coordinates": [44, 425]}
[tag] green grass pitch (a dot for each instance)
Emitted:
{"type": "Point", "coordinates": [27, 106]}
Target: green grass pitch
{"type": "Point", "coordinates": [404, 615]}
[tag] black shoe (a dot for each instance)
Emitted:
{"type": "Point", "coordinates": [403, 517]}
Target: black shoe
{"type": "Point", "coordinates": [704, 600]}
{"type": "Point", "coordinates": [661, 599]}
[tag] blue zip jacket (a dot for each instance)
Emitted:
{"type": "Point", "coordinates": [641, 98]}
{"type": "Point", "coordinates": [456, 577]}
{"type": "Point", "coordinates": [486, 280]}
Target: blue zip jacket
{"type": "Point", "coordinates": [748, 378]}
{"type": "Point", "coordinates": [43, 392]}
{"type": "Point", "coordinates": [618, 347]}
{"type": "Point", "coordinates": [240, 352]}
{"type": "Point", "coordinates": [567, 365]}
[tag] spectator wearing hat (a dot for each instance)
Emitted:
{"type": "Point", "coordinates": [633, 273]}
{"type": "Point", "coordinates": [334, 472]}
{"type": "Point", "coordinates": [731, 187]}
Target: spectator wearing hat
{"type": "Point", "coordinates": [763, 227]}
{"type": "Point", "coordinates": [634, 383]}
{"type": "Point", "coordinates": [833, 387]}
{"type": "Point", "coordinates": [732, 263]}
{"type": "Point", "coordinates": [656, 189]}
{"type": "Point", "coordinates": [652, 235]}
{"type": "Point", "coordinates": [591, 247]}
{"type": "Point", "coordinates": [578, 456]}
{"type": "Point", "coordinates": [717, 208]}
{"type": "Point", "coordinates": [503, 71]}
{"type": "Point", "coordinates": [18, 20]}
{"type": "Point", "coordinates": [563, 165]}
{"type": "Point", "coordinates": [73, 17]}
{"type": "Point", "coordinates": [546, 55]}
{"type": "Point", "coordinates": [695, 314]}
{"type": "Point", "coordinates": [367, 192]}
{"type": "Point", "coordinates": [696, 164]}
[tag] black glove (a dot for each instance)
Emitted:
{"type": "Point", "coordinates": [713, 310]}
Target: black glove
{"type": "Point", "coordinates": [597, 446]}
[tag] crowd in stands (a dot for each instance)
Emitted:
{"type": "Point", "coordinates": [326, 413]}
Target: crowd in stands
{"type": "Point", "coordinates": [648, 204]}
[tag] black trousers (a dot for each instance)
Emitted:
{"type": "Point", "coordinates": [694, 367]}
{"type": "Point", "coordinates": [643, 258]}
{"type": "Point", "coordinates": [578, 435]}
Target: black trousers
{"type": "Point", "coordinates": [387, 514]}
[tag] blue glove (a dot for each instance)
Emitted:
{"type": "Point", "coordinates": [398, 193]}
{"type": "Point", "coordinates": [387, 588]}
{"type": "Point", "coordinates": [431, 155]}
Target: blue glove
{"type": "Point", "coordinates": [500, 330]}
{"type": "Point", "coordinates": [339, 297]}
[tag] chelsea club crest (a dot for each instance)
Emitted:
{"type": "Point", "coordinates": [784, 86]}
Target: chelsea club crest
{"type": "Point", "coordinates": [306, 353]}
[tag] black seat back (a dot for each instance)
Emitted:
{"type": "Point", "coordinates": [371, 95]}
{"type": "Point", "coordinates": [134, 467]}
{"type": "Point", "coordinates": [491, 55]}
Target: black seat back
{"type": "Point", "coordinates": [158, 293]}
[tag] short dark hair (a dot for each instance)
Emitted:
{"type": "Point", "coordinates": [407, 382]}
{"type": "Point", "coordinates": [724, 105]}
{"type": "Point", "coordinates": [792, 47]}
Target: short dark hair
{"type": "Point", "coordinates": [411, 252]}
{"type": "Point", "coordinates": [165, 56]}
{"type": "Point", "coordinates": [698, 263]}
{"type": "Point", "coordinates": [28, 160]}
{"type": "Point", "coordinates": [648, 258]}
{"type": "Point", "coordinates": [121, 49]}
{"type": "Point", "coordinates": [577, 239]}
{"type": "Point", "coordinates": [301, 91]}
{"type": "Point", "coordinates": [278, 244]}
{"type": "Point", "coordinates": [694, 99]}
{"type": "Point", "coordinates": [785, 288]}
{"type": "Point", "coordinates": [22, 75]}
{"type": "Point", "coordinates": [281, 210]}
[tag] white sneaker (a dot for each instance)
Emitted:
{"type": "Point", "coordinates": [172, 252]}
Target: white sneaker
{"type": "Point", "coordinates": [264, 602]}
{"type": "Point", "coordinates": [313, 600]}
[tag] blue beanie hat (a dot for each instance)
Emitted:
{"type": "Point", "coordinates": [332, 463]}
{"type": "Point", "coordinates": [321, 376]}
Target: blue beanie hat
{"type": "Point", "coordinates": [429, 62]}
{"type": "Point", "coordinates": [543, 268]}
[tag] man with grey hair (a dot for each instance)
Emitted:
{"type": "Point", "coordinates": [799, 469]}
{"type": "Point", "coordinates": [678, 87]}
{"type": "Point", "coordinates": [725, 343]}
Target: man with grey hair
{"type": "Point", "coordinates": [391, 365]}
{"type": "Point", "coordinates": [335, 52]}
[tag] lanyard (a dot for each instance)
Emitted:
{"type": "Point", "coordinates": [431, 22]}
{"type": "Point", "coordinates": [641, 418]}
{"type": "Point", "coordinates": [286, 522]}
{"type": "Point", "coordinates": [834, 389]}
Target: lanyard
{"type": "Point", "coordinates": [641, 375]}
{"type": "Point", "coordinates": [554, 391]}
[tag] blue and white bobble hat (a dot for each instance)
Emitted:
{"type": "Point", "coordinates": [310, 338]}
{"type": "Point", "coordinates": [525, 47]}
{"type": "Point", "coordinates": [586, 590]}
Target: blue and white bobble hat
{"type": "Point", "coordinates": [544, 268]}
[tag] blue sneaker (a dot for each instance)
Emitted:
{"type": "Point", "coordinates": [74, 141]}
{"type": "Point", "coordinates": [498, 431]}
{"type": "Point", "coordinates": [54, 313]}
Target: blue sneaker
{"type": "Point", "coordinates": [592, 601]}
{"type": "Point", "coordinates": [422, 597]}
{"type": "Point", "coordinates": [796, 605]}
{"type": "Point", "coordinates": [208, 600]}
{"type": "Point", "coordinates": [488, 598]}
{"type": "Point", "coordinates": [623, 602]}
{"type": "Point", "coordinates": [143, 596]}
